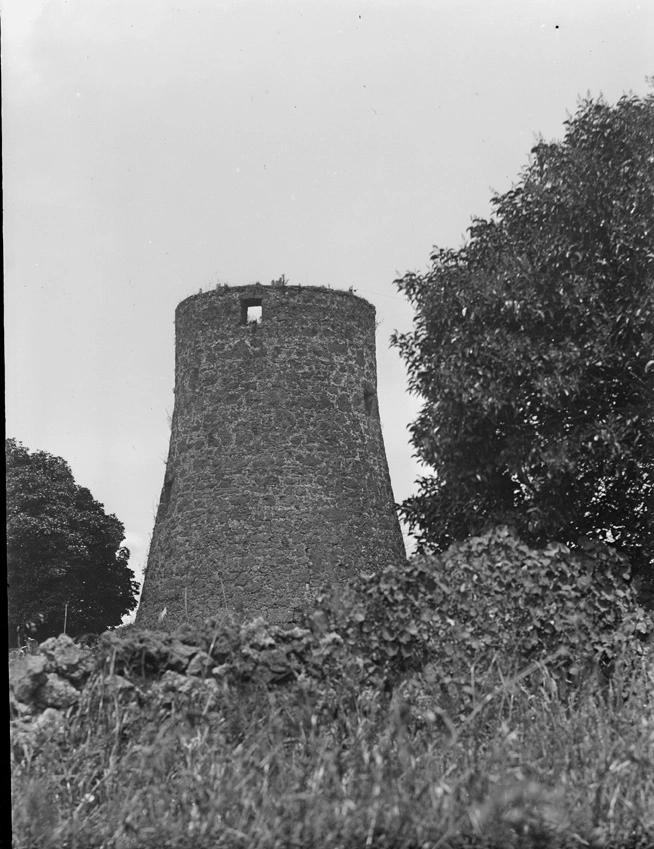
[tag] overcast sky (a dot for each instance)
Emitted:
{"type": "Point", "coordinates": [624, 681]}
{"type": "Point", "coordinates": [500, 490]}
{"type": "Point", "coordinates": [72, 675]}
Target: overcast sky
{"type": "Point", "coordinates": [153, 148]}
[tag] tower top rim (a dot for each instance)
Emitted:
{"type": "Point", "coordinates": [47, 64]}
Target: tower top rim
{"type": "Point", "coordinates": [250, 290]}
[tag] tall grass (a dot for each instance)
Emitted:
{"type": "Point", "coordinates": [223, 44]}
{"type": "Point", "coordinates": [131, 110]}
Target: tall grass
{"type": "Point", "coordinates": [193, 764]}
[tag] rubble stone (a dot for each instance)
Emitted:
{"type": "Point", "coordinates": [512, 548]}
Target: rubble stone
{"type": "Point", "coordinates": [26, 676]}
{"type": "Point", "coordinates": [56, 692]}
{"type": "Point", "coordinates": [65, 657]}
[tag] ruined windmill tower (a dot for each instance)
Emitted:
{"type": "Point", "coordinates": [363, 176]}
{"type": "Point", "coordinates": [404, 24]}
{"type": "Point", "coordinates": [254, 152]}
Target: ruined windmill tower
{"type": "Point", "coordinates": [276, 481]}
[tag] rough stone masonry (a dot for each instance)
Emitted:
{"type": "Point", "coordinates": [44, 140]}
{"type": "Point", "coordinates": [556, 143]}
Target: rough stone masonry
{"type": "Point", "coordinates": [276, 481]}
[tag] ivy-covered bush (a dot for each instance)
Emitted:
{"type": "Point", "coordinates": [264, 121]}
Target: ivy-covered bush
{"type": "Point", "coordinates": [383, 618]}
{"type": "Point", "coordinates": [490, 601]}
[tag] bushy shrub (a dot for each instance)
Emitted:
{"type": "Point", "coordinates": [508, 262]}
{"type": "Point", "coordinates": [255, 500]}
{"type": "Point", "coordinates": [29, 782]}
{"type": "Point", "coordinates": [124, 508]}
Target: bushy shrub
{"type": "Point", "coordinates": [383, 618]}
{"type": "Point", "coordinates": [491, 600]}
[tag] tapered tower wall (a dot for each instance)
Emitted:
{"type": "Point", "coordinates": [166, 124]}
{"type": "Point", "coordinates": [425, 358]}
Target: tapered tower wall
{"type": "Point", "coordinates": [276, 481]}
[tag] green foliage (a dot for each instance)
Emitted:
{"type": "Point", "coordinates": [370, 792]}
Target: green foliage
{"type": "Point", "coordinates": [509, 601]}
{"type": "Point", "coordinates": [532, 349]}
{"type": "Point", "coordinates": [196, 762]}
{"type": "Point", "coordinates": [253, 735]}
{"type": "Point", "coordinates": [491, 600]}
{"type": "Point", "coordinates": [65, 562]}
{"type": "Point", "coordinates": [382, 618]}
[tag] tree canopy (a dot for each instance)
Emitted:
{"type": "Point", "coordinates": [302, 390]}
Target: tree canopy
{"type": "Point", "coordinates": [66, 567]}
{"type": "Point", "coordinates": [533, 350]}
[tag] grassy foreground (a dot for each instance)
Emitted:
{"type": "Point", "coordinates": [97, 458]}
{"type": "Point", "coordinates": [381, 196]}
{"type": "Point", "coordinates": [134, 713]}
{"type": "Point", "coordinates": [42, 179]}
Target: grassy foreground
{"type": "Point", "coordinates": [184, 762]}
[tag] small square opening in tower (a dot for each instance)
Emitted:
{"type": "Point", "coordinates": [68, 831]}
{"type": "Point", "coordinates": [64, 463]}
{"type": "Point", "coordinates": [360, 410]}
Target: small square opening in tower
{"type": "Point", "coordinates": [251, 311]}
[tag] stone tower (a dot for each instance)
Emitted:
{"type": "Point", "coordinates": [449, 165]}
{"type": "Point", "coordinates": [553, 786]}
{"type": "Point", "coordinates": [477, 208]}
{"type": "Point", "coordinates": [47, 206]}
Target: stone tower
{"type": "Point", "coordinates": [276, 481]}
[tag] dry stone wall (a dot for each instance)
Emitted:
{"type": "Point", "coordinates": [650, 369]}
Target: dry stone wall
{"type": "Point", "coordinates": [276, 481]}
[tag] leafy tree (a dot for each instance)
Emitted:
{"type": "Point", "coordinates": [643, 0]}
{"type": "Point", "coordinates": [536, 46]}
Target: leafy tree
{"type": "Point", "coordinates": [65, 562]}
{"type": "Point", "coordinates": [533, 349]}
